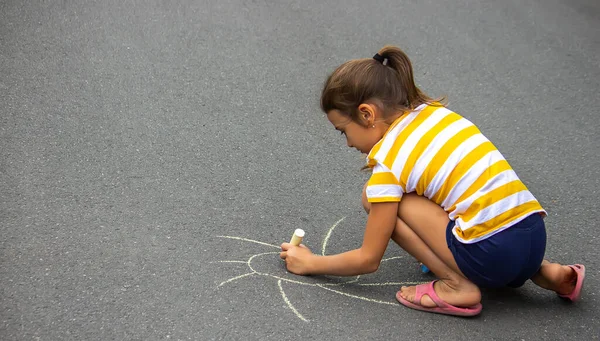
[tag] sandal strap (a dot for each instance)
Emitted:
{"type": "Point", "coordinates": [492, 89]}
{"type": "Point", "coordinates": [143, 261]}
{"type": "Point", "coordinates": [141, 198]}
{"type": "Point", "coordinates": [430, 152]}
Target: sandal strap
{"type": "Point", "coordinates": [436, 299]}
{"type": "Point", "coordinates": [422, 289]}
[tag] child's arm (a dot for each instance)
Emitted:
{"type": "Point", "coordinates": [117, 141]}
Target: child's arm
{"type": "Point", "coordinates": [380, 225]}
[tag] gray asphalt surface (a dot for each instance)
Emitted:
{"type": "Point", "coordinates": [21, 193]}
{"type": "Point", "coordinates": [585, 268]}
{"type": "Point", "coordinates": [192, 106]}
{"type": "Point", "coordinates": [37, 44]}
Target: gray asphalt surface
{"type": "Point", "coordinates": [133, 134]}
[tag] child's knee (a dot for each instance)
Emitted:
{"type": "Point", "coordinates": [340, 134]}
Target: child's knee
{"type": "Point", "coordinates": [365, 202]}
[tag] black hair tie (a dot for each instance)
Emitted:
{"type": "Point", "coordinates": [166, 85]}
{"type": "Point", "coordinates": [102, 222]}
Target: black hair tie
{"type": "Point", "coordinates": [379, 58]}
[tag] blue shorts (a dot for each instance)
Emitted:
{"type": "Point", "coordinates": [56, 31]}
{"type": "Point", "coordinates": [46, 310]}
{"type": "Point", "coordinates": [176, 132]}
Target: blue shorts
{"type": "Point", "coordinates": [508, 258]}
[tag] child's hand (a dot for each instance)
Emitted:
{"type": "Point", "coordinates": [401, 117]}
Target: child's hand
{"type": "Point", "coordinates": [298, 259]}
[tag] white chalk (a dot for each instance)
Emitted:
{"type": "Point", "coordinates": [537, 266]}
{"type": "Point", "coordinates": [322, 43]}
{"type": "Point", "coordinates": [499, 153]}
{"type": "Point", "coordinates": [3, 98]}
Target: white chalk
{"type": "Point", "coordinates": [297, 237]}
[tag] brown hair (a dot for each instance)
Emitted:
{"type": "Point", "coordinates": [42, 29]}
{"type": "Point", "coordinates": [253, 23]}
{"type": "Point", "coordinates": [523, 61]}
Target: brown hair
{"type": "Point", "coordinates": [359, 80]}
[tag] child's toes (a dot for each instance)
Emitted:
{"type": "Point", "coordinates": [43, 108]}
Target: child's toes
{"type": "Point", "coordinates": [409, 293]}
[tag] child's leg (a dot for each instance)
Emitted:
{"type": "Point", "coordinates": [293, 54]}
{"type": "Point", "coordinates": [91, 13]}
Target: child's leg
{"type": "Point", "coordinates": [453, 287]}
{"type": "Point", "coordinates": [556, 277]}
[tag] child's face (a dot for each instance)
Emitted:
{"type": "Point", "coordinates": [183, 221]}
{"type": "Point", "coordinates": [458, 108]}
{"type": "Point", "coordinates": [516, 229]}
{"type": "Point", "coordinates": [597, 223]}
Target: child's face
{"type": "Point", "coordinates": [359, 136]}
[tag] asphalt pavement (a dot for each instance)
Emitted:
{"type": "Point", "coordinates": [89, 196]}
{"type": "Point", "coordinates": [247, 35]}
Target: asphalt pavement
{"type": "Point", "coordinates": [154, 154]}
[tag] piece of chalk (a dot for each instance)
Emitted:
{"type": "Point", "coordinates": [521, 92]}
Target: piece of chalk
{"type": "Point", "coordinates": [297, 237]}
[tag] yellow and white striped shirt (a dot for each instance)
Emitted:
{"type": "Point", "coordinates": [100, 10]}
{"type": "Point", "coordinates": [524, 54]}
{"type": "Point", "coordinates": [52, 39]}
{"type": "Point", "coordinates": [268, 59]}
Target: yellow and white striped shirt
{"type": "Point", "coordinates": [439, 154]}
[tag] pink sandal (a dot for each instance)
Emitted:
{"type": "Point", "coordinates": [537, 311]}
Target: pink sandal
{"type": "Point", "coordinates": [442, 307]}
{"type": "Point", "coordinates": [576, 294]}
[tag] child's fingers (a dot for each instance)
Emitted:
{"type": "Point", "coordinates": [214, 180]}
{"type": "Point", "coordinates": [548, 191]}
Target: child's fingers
{"type": "Point", "coordinates": [286, 246]}
{"type": "Point", "coordinates": [283, 255]}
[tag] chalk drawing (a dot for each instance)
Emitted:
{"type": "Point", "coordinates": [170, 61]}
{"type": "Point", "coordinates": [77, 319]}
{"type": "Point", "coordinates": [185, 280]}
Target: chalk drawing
{"type": "Point", "coordinates": [298, 280]}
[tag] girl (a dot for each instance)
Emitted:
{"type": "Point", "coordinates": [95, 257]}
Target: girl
{"type": "Point", "coordinates": [439, 189]}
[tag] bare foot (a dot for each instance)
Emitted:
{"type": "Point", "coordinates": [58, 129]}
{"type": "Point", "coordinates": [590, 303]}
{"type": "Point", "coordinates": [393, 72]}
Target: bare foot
{"type": "Point", "coordinates": [568, 282]}
{"type": "Point", "coordinates": [466, 294]}
{"type": "Point", "coordinates": [556, 277]}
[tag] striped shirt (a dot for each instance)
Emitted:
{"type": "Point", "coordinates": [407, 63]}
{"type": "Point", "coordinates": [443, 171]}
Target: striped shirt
{"type": "Point", "coordinates": [440, 155]}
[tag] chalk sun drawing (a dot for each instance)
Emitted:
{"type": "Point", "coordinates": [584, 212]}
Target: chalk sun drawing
{"type": "Point", "coordinates": [332, 287]}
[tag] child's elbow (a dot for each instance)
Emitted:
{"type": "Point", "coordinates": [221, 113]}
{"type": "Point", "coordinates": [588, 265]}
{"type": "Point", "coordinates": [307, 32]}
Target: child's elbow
{"type": "Point", "coordinates": [370, 263]}
{"type": "Point", "coordinates": [371, 267]}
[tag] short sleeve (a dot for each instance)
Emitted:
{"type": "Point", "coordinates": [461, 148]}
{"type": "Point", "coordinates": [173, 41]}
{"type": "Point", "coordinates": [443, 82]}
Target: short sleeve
{"type": "Point", "coordinates": [383, 186]}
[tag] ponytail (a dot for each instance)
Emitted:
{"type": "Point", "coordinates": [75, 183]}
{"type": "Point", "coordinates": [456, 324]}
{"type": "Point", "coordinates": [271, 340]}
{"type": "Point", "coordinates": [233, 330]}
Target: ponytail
{"type": "Point", "coordinates": [398, 61]}
{"type": "Point", "coordinates": [387, 77]}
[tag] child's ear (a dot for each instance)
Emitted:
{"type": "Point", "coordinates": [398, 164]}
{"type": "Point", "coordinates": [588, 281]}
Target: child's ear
{"type": "Point", "coordinates": [368, 113]}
